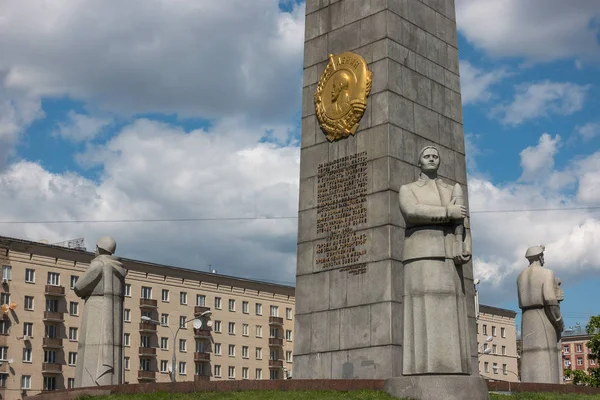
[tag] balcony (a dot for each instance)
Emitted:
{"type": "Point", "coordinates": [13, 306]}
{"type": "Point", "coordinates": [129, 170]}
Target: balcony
{"type": "Point", "coordinates": [147, 327]}
{"type": "Point", "coordinates": [200, 309]}
{"type": "Point", "coordinates": [53, 316]}
{"type": "Point", "coordinates": [52, 342]}
{"type": "Point", "coordinates": [51, 368]}
{"type": "Point", "coordinates": [276, 342]}
{"type": "Point", "coordinates": [52, 290]}
{"type": "Point", "coordinates": [202, 333]}
{"type": "Point", "coordinates": [275, 363]}
{"type": "Point", "coordinates": [275, 321]}
{"type": "Point", "coordinates": [201, 357]}
{"type": "Point", "coordinates": [148, 303]}
{"type": "Point", "coordinates": [146, 375]}
{"type": "Point", "coordinates": [147, 351]}
{"type": "Point", "coordinates": [201, 378]}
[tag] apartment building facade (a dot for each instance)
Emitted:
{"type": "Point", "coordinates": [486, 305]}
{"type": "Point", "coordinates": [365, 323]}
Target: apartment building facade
{"type": "Point", "coordinates": [497, 344]}
{"type": "Point", "coordinates": [251, 335]}
{"type": "Point", "coordinates": [575, 353]}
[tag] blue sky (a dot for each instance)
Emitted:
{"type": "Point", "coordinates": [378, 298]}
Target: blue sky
{"type": "Point", "coordinates": [193, 110]}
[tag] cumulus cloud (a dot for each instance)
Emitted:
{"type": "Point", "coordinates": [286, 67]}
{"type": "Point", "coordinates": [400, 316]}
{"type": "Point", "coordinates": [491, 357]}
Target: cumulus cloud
{"type": "Point", "coordinates": [475, 83]}
{"type": "Point", "coordinates": [153, 171]}
{"type": "Point", "coordinates": [191, 58]}
{"type": "Point", "coordinates": [541, 99]}
{"type": "Point", "coordinates": [538, 161]}
{"type": "Point", "coordinates": [588, 131]}
{"type": "Point", "coordinates": [81, 127]}
{"type": "Point", "coordinates": [536, 30]}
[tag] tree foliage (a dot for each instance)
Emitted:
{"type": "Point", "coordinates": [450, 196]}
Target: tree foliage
{"type": "Point", "coordinates": [592, 377]}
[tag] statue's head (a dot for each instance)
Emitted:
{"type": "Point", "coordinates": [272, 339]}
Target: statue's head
{"type": "Point", "coordinates": [106, 245]}
{"type": "Point", "coordinates": [535, 253]}
{"type": "Point", "coordinates": [429, 159]}
{"type": "Point", "coordinates": [341, 82]}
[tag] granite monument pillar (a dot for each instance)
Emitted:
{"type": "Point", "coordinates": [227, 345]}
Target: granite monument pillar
{"type": "Point", "coordinates": [100, 349]}
{"type": "Point", "coordinates": [362, 129]}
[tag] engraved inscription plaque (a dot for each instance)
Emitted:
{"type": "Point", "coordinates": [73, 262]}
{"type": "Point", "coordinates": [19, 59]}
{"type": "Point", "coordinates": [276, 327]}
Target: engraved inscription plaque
{"type": "Point", "coordinates": [341, 207]}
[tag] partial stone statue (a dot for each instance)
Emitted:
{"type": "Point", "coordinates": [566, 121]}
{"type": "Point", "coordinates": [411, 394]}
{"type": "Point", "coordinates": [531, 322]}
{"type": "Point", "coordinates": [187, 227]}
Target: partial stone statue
{"type": "Point", "coordinates": [100, 350]}
{"type": "Point", "coordinates": [437, 243]}
{"type": "Point", "coordinates": [541, 324]}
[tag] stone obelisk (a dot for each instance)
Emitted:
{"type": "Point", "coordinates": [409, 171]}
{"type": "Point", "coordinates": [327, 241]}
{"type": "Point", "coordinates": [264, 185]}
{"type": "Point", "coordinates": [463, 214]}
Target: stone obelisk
{"type": "Point", "coordinates": [361, 136]}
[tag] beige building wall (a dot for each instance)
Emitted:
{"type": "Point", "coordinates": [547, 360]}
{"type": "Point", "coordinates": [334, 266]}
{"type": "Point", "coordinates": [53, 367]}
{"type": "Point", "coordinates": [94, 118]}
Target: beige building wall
{"type": "Point", "coordinates": [499, 324]}
{"type": "Point", "coordinates": [274, 359]}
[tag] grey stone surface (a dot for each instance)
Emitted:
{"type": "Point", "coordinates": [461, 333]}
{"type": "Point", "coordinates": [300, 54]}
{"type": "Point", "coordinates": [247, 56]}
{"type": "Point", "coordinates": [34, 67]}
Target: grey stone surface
{"type": "Point", "coordinates": [366, 363]}
{"type": "Point", "coordinates": [437, 387]}
{"type": "Point", "coordinates": [541, 322]}
{"type": "Point", "coordinates": [100, 348]}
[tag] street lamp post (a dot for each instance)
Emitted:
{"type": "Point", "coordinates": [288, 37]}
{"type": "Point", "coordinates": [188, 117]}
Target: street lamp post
{"type": "Point", "coordinates": [487, 340]}
{"type": "Point", "coordinates": [174, 334]}
{"type": "Point", "coordinates": [496, 370]}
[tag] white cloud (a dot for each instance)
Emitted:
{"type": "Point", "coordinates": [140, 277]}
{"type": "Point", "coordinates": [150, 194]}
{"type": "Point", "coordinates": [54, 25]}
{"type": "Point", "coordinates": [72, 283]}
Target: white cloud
{"type": "Point", "coordinates": [154, 170]}
{"type": "Point", "coordinates": [190, 57]}
{"type": "Point", "coordinates": [538, 161]}
{"type": "Point", "coordinates": [537, 30]}
{"type": "Point", "coordinates": [475, 83]}
{"type": "Point", "coordinates": [80, 127]}
{"type": "Point", "coordinates": [540, 99]}
{"type": "Point", "coordinates": [588, 131]}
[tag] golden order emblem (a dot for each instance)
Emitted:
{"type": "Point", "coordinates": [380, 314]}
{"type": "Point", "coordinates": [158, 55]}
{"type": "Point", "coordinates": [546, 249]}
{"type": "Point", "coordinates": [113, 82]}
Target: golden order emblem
{"type": "Point", "coordinates": [341, 97]}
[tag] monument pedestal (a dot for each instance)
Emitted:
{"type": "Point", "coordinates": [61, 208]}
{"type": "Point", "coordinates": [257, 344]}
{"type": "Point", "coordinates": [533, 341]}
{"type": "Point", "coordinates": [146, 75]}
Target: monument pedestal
{"type": "Point", "coordinates": [438, 387]}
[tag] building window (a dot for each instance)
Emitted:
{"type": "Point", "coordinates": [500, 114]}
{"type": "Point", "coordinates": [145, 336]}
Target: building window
{"type": "Point", "coordinates": [493, 330]}
{"type": "Point", "coordinates": [50, 356]}
{"type": "Point", "coordinates": [145, 341]}
{"type": "Point", "coordinates": [146, 292]}
{"type": "Point", "coordinates": [182, 321]}
{"type": "Point", "coordinates": [244, 351]}
{"type": "Point", "coordinates": [164, 319]}
{"type": "Point", "coordinates": [579, 361]}
{"type": "Point", "coordinates": [202, 369]}
{"type": "Point", "coordinates": [274, 311]}
{"type": "Point", "coordinates": [49, 383]}
{"type": "Point", "coordinates": [503, 332]}
{"type": "Point", "coordinates": [147, 314]}
{"type": "Point", "coordinates": [274, 374]}
{"type": "Point", "coordinates": [5, 326]}
{"type": "Point", "coordinates": [579, 348]}
{"type": "Point", "coordinates": [245, 373]}
{"type": "Point", "coordinates": [26, 382]}
{"type": "Point", "coordinates": [566, 349]}
{"type": "Point", "coordinates": [495, 368]}
{"type": "Point", "coordinates": [53, 278]}
{"type": "Point", "coordinates": [30, 275]}
{"type": "Point", "coordinates": [288, 356]}
{"type": "Point", "coordinates": [74, 308]}
{"type": "Point", "coordinates": [288, 313]}
{"type": "Point", "coordinates": [486, 366]}
{"type": "Point", "coordinates": [182, 368]}
{"type": "Point", "coordinates": [202, 347]}
{"type": "Point", "coordinates": [126, 362]}
{"type": "Point", "coordinates": [218, 303]}
{"type": "Point", "coordinates": [52, 305]}
{"type": "Point", "coordinates": [70, 383]}
{"type": "Point", "coordinates": [231, 350]}
{"type": "Point", "coordinates": [567, 363]}
{"type": "Point", "coordinates": [127, 315]}
{"type": "Point", "coordinates": [217, 371]}
{"type": "Point", "coordinates": [231, 373]}
{"type": "Point", "coordinates": [72, 358]}
{"type": "Point", "coordinates": [231, 305]}
{"type": "Point", "coordinates": [258, 331]}
{"type": "Point", "coordinates": [258, 353]}
{"type": "Point", "coordinates": [4, 298]}
{"type": "Point", "coordinates": [73, 334]}
{"type": "Point", "coordinates": [217, 326]}
{"type": "Point", "coordinates": [128, 290]}
{"type": "Point", "coordinates": [74, 279]}
{"type": "Point", "coordinates": [28, 329]}
{"type": "Point", "coordinates": [165, 295]}
{"type": "Point", "coordinates": [258, 373]}
{"type": "Point", "coordinates": [274, 333]}
{"type": "Point", "coordinates": [245, 307]}
{"type": "Point", "coordinates": [6, 273]}
{"type": "Point", "coordinates": [258, 309]}
{"type": "Point", "coordinates": [592, 362]}
{"type": "Point", "coordinates": [232, 328]}
{"type": "Point", "coordinates": [126, 339]}
{"type": "Point", "coordinates": [504, 369]}
{"type": "Point", "coordinates": [503, 350]}
{"type": "Point", "coordinates": [28, 303]}
{"type": "Point", "coordinates": [50, 331]}
{"type": "Point", "coordinates": [485, 329]}
{"type": "Point", "coordinates": [494, 349]}
{"type": "Point", "coordinates": [144, 364]}
{"type": "Point", "coordinates": [164, 366]}
{"type": "Point", "coordinates": [4, 353]}
{"type": "Point", "coordinates": [164, 343]}
{"type": "Point", "coordinates": [182, 345]}
{"type": "Point", "coordinates": [27, 354]}
{"type": "Point", "coordinates": [288, 335]}
{"type": "Point", "coordinates": [200, 300]}
{"type": "Point", "coordinates": [183, 298]}
{"type": "Point", "coordinates": [217, 349]}
{"type": "Point", "coordinates": [245, 329]}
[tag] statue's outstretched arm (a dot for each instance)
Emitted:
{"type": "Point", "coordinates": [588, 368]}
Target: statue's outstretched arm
{"type": "Point", "coordinates": [417, 213]}
{"type": "Point", "coordinates": [86, 284]}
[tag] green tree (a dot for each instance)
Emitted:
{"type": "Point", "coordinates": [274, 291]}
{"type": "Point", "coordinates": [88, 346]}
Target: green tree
{"type": "Point", "coordinates": [592, 378]}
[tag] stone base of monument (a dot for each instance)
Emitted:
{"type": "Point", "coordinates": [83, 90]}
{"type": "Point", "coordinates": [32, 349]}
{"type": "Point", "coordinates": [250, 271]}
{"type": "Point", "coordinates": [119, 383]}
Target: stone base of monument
{"type": "Point", "coordinates": [438, 387]}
